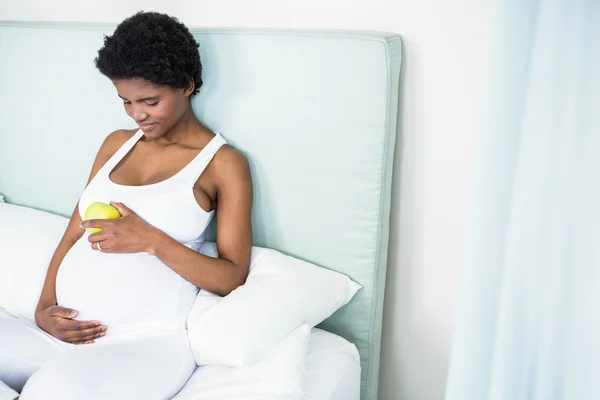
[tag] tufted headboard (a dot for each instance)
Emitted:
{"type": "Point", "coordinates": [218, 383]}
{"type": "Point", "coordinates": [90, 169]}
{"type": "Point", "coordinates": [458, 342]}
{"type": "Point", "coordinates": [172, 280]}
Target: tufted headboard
{"type": "Point", "coordinates": [314, 112]}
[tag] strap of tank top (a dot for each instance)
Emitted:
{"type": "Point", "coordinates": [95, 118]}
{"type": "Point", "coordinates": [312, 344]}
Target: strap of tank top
{"type": "Point", "coordinates": [196, 167]}
{"type": "Point", "coordinates": [121, 152]}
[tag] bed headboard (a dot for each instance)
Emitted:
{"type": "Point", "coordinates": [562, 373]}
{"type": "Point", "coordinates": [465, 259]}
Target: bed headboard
{"type": "Point", "coordinates": [315, 112]}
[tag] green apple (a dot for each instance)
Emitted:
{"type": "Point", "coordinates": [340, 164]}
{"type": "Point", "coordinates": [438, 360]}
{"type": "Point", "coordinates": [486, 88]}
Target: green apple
{"type": "Point", "coordinates": [99, 210]}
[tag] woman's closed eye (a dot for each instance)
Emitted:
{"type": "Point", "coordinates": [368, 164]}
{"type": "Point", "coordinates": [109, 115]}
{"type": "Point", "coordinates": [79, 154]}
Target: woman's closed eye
{"type": "Point", "coordinates": [150, 104]}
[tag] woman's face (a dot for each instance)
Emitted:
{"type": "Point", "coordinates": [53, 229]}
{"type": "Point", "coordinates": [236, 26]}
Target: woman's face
{"type": "Point", "coordinates": [156, 109]}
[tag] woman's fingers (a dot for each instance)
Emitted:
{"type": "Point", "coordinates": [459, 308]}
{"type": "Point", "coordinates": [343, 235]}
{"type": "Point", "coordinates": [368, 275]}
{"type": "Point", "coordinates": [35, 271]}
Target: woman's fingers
{"type": "Point", "coordinates": [79, 337]}
{"type": "Point", "coordinates": [122, 208]}
{"type": "Point", "coordinates": [86, 342]}
{"type": "Point", "coordinates": [85, 334]}
{"type": "Point", "coordinates": [97, 223]}
{"type": "Point", "coordinates": [71, 330]}
{"type": "Point", "coordinates": [98, 237]}
{"type": "Point", "coordinates": [102, 245]}
{"type": "Point", "coordinates": [67, 324]}
{"type": "Point", "coordinates": [85, 339]}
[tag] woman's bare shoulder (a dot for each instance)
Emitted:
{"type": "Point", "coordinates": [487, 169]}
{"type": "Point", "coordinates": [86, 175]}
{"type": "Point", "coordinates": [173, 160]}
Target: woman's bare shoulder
{"type": "Point", "coordinates": [116, 139]}
{"type": "Point", "coordinates": [109, 147]}
{"type": "Point", "coordinates": [229, 163]}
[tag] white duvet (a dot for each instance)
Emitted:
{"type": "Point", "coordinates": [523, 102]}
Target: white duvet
{"type": "Point", "coordinates": [330, 371]}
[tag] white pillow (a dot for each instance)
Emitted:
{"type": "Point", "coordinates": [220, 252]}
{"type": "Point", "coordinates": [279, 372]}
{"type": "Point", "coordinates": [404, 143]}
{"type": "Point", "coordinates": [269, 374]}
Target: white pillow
{"type": "Point", "coordinates": [28, 238]}
{"type": "Point", "coordinates": [281, 294]}
{"type": "Point", "coordinates": [278, 376]}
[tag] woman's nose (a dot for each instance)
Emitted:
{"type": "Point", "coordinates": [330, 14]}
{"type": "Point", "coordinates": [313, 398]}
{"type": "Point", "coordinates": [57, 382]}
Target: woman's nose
{"type": "Point", "coordinates": [139, 116]}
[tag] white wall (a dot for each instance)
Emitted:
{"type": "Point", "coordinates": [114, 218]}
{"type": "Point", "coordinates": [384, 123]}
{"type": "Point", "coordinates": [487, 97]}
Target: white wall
{"type": "Point", "coordinates": [445, 47]}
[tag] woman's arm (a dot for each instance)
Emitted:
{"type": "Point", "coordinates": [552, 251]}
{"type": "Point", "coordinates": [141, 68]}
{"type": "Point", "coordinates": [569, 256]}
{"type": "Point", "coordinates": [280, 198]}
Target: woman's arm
{"type": "Point", "coordinates": [57, 320]}
{"type": "Point", "coordinates": [234, 232]}
{"type": "Point", "coordinates": [72, 234]}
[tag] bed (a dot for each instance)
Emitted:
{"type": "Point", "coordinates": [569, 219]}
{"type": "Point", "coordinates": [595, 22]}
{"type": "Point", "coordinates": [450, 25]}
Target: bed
{"type": "Point", "coordinates": [315, 112]}
{"type": "Point", "coordinates": [332, 372]}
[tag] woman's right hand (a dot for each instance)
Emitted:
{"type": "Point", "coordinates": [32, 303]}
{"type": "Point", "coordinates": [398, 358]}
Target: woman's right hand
{"type": "Point", "coordinates": [58, 321]}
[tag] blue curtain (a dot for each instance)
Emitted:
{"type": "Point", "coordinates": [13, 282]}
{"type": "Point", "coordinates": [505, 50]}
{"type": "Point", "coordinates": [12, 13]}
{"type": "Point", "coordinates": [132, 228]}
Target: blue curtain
{"type": "Point", "coordinates": [529, 323]}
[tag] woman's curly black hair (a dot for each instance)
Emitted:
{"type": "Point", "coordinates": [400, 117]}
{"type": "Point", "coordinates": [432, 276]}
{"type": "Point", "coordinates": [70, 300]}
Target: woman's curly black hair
{"type": "Point", "coordinates": [154, 47]}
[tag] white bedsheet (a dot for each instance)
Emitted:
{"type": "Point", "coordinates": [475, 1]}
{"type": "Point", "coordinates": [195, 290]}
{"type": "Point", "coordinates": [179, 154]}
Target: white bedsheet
{"type": "Point", "coordinates": [6, 393]}
{"type": "Point", "coordinates": [332, 371]}
{"type": "Point", "coordinates": [332, 368]}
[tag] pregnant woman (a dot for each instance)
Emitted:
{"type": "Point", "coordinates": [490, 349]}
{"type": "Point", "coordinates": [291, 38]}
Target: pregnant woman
{"type": "Point", "coordinates": [110, 323]}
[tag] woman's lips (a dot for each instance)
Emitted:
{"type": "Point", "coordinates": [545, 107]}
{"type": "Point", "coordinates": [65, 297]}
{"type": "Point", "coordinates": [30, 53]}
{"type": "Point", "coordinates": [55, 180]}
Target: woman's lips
{"type": "Point", "coordinates": [147, 127]}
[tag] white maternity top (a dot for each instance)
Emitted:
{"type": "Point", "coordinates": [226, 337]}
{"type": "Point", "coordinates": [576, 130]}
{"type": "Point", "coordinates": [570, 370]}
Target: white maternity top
{"type": "Point", "coordinates": [137, 293]}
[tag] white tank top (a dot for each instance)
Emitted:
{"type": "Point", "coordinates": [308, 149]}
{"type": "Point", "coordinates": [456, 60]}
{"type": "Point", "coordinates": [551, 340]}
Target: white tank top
{"type": "Point", "coordinates": [137, 293]}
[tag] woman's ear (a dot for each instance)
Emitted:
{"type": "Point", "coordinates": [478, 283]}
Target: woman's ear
{"type": "Point", "coordinates": [190, 89]}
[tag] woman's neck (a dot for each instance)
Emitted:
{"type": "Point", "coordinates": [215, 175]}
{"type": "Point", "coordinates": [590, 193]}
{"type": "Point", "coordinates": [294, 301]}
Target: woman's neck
{"type": "Point", "coordinates": [186, 125]}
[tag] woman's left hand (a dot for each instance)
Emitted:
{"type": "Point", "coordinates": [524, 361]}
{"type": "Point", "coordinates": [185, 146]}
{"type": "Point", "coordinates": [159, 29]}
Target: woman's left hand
{"type": "Point", "coordinates": [128, 234]}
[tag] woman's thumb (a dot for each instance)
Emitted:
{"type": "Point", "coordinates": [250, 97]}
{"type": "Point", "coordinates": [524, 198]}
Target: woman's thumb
{"type": "Point", "coordinates": [67, 312]}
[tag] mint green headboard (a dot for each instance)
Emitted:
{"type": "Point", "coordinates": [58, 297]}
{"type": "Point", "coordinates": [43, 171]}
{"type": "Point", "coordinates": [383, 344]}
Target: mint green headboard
{"type": "Point", "coordinates": [315, 113]}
